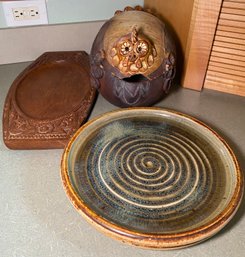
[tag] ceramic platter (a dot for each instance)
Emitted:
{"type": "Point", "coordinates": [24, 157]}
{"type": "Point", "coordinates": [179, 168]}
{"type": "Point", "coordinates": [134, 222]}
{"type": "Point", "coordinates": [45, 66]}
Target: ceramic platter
{"type": "Point", "coordinates": [151, 177]}
{"type": "Point", "coordinates": [48, 101]}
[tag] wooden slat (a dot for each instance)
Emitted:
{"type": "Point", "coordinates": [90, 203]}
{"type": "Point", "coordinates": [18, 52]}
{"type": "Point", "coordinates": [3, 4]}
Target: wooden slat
{"type": "Point", "coordinates": [228, 50]}
{"type": "Point", "coordinates": [201, 34]}
{"type": "Point", "coordinates": [232, 4]}
{"type": "Point", "coordinates": [233, 11]}
{"type": "Point", "coordinates": [227, 61]}
{"type": "Point", "coordinates": [229, 56]}
{"type": "Point", "coordinates": [228, 77]}
{"type": "Point", "coordinates": [227, 66]}
{"type": "Point", "coordinates": [229, 82]}
{"type": "Point", "coordinates": [221, 57]}
{"type": "Point", "coordinates": [227, 71]}
{"type": "Point", "coordinates": [229, 45]}
{"type": "Point", "coordinates": [230, 34]}
{"type": "Point", "coordinates": [233, 17]}
{"type": "Point", "coordinates": [230, 40]}
{"type": "Point", "coordinates": [222, 86]}
{"type": "Point", "coordinates": [240, 30]}
{"type": "Point", "coordinates": [231, 23]}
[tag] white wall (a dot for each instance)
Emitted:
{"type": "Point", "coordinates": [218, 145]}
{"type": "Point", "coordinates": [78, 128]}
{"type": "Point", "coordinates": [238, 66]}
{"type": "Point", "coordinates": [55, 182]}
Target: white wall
{"type": "Point", "coordinates": [69, 11]}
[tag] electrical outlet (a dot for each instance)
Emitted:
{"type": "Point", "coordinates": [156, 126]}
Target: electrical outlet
{"type": "Point", "coordinates": [25, 13]}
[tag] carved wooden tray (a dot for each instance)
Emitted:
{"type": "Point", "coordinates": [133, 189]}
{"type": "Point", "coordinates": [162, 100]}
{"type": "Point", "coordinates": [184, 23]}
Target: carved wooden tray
{"type": "Point", "coordinates": [48, 101]}
{"type": "Point", "coordinates": [151, 177]}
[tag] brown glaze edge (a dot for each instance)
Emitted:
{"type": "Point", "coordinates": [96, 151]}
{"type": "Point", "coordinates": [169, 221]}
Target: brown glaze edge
{"type": "Point", "coordinates": [151, 241]}
{"type": "Point", "coordinates": [54, 143]}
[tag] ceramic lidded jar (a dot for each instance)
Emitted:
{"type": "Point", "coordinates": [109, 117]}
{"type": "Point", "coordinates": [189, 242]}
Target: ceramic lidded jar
{"type": "Point", "coordinates": [133, 59]}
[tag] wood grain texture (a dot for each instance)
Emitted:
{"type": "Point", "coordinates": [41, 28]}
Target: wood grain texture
{"type": "Point", "coordinates": [232, 11]}
{"type": "Point", "coordinates": [226, 28]}
{"type": "Point", "coordinates": [238, 52]}
{"type": "Point", "coordinates": [227, 76]}
{"type": "Point", "coordinates": [223, 85]}
{"type": "Point", "coordinates": [227, 33]}
{"type": "Point", "coordinates": [234, 4]}
{"type": "Point", "coordinates": [229, 40]}
{"type": "Point", "coordinates": [228, 45]}
{"type": "Point", "coordinates": [233, 17]}
{"type": "Point", "coordinates": [175, 15]}
{"type": "Point", "coordinates": [225, 65]}
{"type": "Point", "coordinates": [213, 42]}
{"type": "Point", "coordinates": [194, 22]}
{"type": "Point", "coordinates": [232, 23]}
{"type": "Point", "coordinates": [228, 56]}
{"type": "Point", "coordinates": [226, 70]}
{"type": "Point", "coordinates": [203, 24]}
{"type": "Point", "coordinates": [227, 61]}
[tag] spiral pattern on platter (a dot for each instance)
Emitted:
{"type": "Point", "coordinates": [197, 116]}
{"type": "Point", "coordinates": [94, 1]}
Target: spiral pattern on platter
{"type": "Point", "coordinates": [161, 173]}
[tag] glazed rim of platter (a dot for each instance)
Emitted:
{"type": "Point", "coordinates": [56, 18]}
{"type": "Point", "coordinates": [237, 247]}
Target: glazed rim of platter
{"type": "Point", "coordinates": [152, 177]}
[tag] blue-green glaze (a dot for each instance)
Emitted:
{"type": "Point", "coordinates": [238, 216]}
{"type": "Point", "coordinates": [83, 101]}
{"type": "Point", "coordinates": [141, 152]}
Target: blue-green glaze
{"type": "Point", "coordinates": [150, 175]}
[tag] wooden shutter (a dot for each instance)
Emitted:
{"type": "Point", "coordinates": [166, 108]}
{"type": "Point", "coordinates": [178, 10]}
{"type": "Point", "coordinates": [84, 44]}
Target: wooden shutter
{"type": "Point", "coordinates": [226, 67]}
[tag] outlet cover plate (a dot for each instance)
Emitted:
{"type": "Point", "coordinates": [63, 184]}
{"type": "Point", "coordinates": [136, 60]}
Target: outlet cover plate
{"type": "Point", "coordinates": [9, 7]}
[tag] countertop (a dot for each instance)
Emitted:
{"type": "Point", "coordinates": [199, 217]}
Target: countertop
{"type": "Point", "coordinates": [37, 219]}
